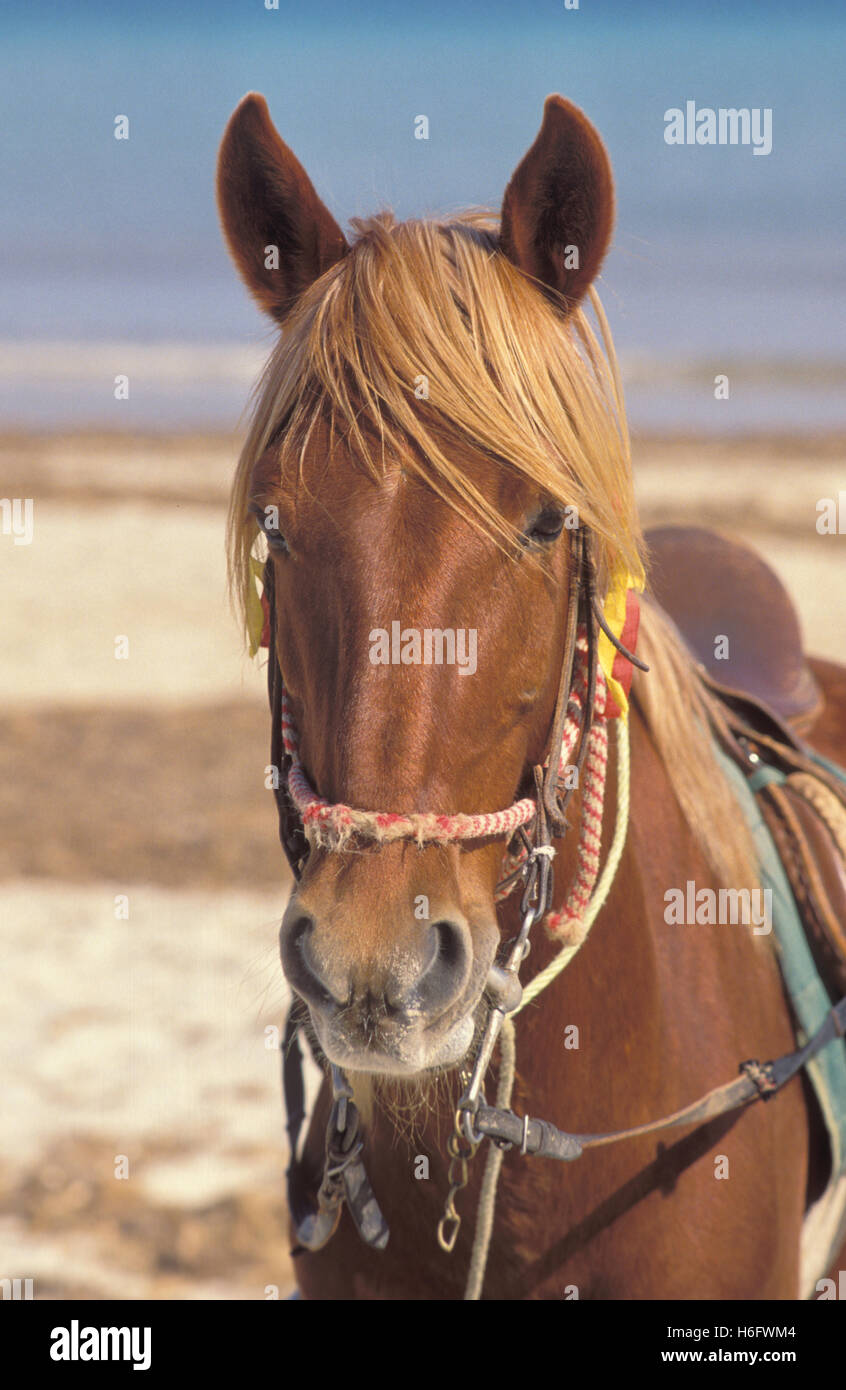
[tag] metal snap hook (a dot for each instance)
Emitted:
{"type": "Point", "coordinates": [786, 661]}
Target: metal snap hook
{"type": "Point", "coordinates": [524, 1146]}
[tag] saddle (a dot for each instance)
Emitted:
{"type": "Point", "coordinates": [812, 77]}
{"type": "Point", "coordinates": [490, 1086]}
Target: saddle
{"type": "Point", "coordinates": [741, 627]}
{"type": "Point", "coordinates": [737, 619]}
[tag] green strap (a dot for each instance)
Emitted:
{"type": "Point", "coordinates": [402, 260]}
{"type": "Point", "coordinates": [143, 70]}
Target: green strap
{"type": "Point", "coordinates": [808, 995]}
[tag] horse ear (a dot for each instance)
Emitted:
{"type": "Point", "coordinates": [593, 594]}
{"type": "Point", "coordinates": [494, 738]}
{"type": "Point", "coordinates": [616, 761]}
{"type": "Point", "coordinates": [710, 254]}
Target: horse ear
{"type": "Point", "coordinates": [558, 209]}
{"type": "Point", "coordinates": [280, 235]}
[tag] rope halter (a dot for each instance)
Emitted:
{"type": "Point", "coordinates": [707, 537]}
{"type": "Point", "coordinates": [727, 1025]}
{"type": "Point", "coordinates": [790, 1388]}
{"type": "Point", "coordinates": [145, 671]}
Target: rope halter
{"type": "Point", "coordinates": [332, 825]}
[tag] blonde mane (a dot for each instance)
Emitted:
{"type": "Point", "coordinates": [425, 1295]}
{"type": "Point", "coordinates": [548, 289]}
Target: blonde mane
{"type": "Point", "coordinates": [425, 333]}
{"type": "Point", "coordinates": [425, 330]}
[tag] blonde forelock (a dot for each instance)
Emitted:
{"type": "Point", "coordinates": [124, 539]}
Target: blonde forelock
{"type": "Point", "coordinates": [506, 371]}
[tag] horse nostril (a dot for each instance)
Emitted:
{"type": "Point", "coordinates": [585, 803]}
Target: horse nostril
{"type": "Point", "coordinates": [444, 977]}
{"type": "Point", "coordinates": [296, 959]}
{"type": "Point", "coordinates": [298, 932]}
{"type": "Point", "coordinates": [451, 948]}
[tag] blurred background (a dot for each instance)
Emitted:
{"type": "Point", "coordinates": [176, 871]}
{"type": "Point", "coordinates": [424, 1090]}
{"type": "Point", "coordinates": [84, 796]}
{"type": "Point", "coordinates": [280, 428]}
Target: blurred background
{"type": "Point", "coordinates": [141, 1149]}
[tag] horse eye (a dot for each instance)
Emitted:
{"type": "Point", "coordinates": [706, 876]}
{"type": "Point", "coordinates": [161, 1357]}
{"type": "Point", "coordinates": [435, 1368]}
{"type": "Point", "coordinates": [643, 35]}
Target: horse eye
{"type": "Point", "coordinates": [276, 540]}
{"type": "Point", "coordinates": [546, 527]}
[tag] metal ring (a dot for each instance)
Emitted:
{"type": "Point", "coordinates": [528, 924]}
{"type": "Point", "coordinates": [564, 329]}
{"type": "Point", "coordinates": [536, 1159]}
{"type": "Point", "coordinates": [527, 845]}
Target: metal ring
{"type": "Point", "coordinates": [470, 1133]}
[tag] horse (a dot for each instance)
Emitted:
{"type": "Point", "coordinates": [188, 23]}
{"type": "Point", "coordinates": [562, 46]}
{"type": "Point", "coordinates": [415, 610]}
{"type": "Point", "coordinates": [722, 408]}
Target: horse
{"type": "Point", "coordinates": [438, 434]}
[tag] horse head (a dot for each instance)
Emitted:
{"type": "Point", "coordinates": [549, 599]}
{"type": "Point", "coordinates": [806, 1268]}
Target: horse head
{"type": "Point", "coordinates": [435, 423]}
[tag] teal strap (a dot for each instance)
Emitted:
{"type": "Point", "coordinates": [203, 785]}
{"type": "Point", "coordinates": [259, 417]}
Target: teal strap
{"type": "Point", "coordinates": [838, 772]}
{"type": "Point", "coordinates": [762, 776]}
{"type": "Point", "coordinates": [807, 992]}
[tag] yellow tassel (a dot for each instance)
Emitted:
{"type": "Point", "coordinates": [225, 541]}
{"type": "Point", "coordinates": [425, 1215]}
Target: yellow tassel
{"type": "Point", "coordinates": [255, 611]}
{"type": "Point", "coordinates": [614, 611]}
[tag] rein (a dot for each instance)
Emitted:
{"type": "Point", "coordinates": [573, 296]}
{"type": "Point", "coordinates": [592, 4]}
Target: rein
{"type": "Point", "coordinates": [580, 736]}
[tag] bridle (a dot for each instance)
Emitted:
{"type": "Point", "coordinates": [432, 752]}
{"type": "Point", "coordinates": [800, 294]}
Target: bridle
{"type": "Point", "coordinates": [304, 817]}
{"type": "Point", "coordinates": [533, 823]}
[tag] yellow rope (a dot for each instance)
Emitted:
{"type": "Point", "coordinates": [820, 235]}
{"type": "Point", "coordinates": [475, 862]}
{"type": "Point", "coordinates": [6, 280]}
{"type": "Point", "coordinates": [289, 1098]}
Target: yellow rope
{"type": "Point", "coordinates": [507, 1037]}
{"type": "Point", "coordinates": [493, 1163]}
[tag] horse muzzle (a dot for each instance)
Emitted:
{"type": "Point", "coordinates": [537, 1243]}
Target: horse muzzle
{"type": "Point", "coordinates": [402, 1010]}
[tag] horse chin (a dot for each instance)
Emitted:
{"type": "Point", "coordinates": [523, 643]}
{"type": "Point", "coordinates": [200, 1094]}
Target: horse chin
{"type": "Point", "coordinates": [411, 1056]}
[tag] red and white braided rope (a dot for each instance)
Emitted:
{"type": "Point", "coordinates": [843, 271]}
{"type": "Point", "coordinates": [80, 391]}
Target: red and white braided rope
{"type": "Point", "coordinates": [333, 824]}
{"type": "Point", "coordinates": [562, 922]}
{"type": "Point", "coordinates": [593, 797]}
